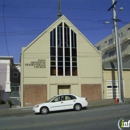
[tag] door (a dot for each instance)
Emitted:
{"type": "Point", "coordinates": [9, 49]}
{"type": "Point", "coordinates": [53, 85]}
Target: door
{"type": "Point", "coordinates": [112, 89]}
{"type": "Point", "coordinates": [57, 104]}
{"type": "Point", "coordinates": [69, 101]}
{"type": "Point", "coordinates": [63, 89]}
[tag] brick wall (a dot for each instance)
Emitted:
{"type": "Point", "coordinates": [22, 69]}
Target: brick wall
{"type": "Point", "coordinates": [91, 91]}
{"type": "Point", "coordinates": [34, 94]}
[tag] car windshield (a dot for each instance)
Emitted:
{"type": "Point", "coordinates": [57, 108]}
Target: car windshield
{"type": "Point", "coordinates": [50, 99]}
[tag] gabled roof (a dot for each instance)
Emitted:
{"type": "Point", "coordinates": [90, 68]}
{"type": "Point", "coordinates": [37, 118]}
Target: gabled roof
{"type": "Point", "coordinates": [56, 24]}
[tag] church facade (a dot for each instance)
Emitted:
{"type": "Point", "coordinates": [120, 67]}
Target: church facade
{"type": "Point", "coordinates": [61, 60]}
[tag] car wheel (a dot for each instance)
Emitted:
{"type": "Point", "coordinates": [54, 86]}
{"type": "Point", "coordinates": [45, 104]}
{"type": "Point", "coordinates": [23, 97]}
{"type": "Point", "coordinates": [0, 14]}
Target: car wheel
{"type": "Point", "coordinates": [44, 110]}
{"type": "Point", "coordinates": [77, 107]}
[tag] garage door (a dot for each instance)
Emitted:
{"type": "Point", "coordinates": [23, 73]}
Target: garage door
{"type": "Point", "coordinates": [64, 89]}
{"type": "Point", "coordinates": [112, 89]}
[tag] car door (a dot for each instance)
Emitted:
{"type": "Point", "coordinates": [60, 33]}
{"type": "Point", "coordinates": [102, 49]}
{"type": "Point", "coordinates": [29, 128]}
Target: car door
{"type": "Point", "coordinates": [57, 104]}
{"type": "Point", "coordinates": [69, 101]}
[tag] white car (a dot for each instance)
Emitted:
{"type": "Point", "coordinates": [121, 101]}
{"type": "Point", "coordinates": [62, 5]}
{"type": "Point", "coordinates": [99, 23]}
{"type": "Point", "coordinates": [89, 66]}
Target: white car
{"type": "Point", "coordinates": [61, 102]}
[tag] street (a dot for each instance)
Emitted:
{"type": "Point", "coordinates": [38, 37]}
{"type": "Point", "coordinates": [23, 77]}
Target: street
{"type": "Point", "coordinates": [98, 118]}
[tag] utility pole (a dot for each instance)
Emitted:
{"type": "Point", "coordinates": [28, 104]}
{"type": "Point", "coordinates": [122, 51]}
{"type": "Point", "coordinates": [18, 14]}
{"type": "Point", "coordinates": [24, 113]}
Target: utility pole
{"type": "Point", "coordinates": [118, 53]}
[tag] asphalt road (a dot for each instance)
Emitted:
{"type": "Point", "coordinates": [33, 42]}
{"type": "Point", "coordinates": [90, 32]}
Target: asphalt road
{"type": "Point", "coordinates": [100, 118]}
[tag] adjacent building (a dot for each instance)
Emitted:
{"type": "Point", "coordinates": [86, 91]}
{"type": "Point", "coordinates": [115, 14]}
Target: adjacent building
{"type": "Point", "coordinates": [9, 80]}
{"type": "Point", "coordinates": [107, 47]}
{"type": "Point", "coordinates": [60, 60]}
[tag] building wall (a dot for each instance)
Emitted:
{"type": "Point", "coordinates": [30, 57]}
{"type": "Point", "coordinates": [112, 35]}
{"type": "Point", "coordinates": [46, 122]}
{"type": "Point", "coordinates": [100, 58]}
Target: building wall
{"type": "Point", "coordinates": [4, 79]}
{"type": "Point", "coordinates": [3, 75]}
{"type": "Point", "coordinates": [112, 75]}
{"type": "Point", "coordinates": [126, 76]}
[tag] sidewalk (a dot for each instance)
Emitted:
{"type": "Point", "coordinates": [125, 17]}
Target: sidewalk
{"type": "Point", "coordinates": [105, 102]}
{"type": "Point", "coordinates": [17, 110]}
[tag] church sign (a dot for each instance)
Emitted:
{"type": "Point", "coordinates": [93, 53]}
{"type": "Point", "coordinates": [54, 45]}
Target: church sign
{"type": "Point", "coordinates": [40, 63]}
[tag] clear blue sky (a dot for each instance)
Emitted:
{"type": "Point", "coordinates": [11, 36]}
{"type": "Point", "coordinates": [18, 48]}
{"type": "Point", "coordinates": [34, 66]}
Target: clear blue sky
{"type": "Point", "coordinates": [23, 20]}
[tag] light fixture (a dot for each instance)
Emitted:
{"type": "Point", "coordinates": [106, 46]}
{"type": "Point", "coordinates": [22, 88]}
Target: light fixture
{"type": "Point", "coordinates": [121, 8]}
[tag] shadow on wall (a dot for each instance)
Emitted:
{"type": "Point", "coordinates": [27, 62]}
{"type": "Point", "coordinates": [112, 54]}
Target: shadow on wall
{"type": "Point", "coordinates": [4, 100]}
{"type": "Point", "coordinates": [114, 85]}
{"type": "Point", "coordinates": [113, 75]}
{"type": "Point", "coordinates": [3, 95]}
{"type": "Point", "coordinates": [1, 92]}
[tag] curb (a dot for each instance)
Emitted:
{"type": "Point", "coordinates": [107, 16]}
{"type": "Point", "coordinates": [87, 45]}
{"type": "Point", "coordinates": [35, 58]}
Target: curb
{"type": "Point", "coordinates": [28, 110]}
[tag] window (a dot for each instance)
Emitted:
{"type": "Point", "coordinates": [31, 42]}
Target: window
{"type": "Point", "coordinates": [74, 54]}
{"type": "Point", "coordinates": [14, 88]}
{"type": "Point", "coordinates": [114, 86]}
{"type": "Point", "coordinates": [52, 38]}
{"type": "Point", "coordinates": [73, 39]}
{"type": "Point", "coordinates": [129, 30]}
{"type": "Point", "coordinates": [15, 74]}
{"type": "Point", "coordinates": [72, 97]}
{"type": "Point", "coordinates": [109, 86]}
{"type": "Point", "coordinates": [63, 52]}
{"type": "Point", "coordinates": [111, 41]}
{"type": "Point", "coordinates": [111, 53]}
{"type": "Point", "coordinates": [59, 98]}
{"type": "Point", "coordinates": [53, 52]}
{"type": "Point", "coordinates": [98, 47]}
{"type": "Point", "coordinates": [60, 36]}
{"type": "Point", "coordinates": [66, 36]}
{"type": "Point", "coordinates": [17, 88]}
{"type": "Point", "coordinates": [69, 97]}
{"type": "Point", "coordinates": [121, 35]}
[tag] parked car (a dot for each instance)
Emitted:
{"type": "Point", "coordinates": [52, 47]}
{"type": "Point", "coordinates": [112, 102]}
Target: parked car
{"type": "Point", "coordinates": [61, 102]}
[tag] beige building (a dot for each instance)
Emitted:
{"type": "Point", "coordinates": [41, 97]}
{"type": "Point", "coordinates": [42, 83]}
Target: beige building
{"type": "Point", "coordinates": [110, 81]}
{"type": "Point", "coordinates": [107, 47]}
{"type": "Point", "coordinates": [60, 60]}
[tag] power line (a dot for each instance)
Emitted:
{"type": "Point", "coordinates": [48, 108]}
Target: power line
{"type": "Point", "coordinates": [88, 9]}
{"type": "Point", "coordinates": [51, 18]}
{"type": "Point", "coordinates": [75, 19]}
{"type": "Point", "coordinates": [34, 31]}
{"type": "Point", "coordinates": [5, 28]}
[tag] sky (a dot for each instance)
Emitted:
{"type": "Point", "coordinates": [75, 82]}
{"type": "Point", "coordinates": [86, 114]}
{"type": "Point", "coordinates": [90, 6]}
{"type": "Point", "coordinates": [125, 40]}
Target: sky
{"type": "Point", "coordinates": [21, 21]}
